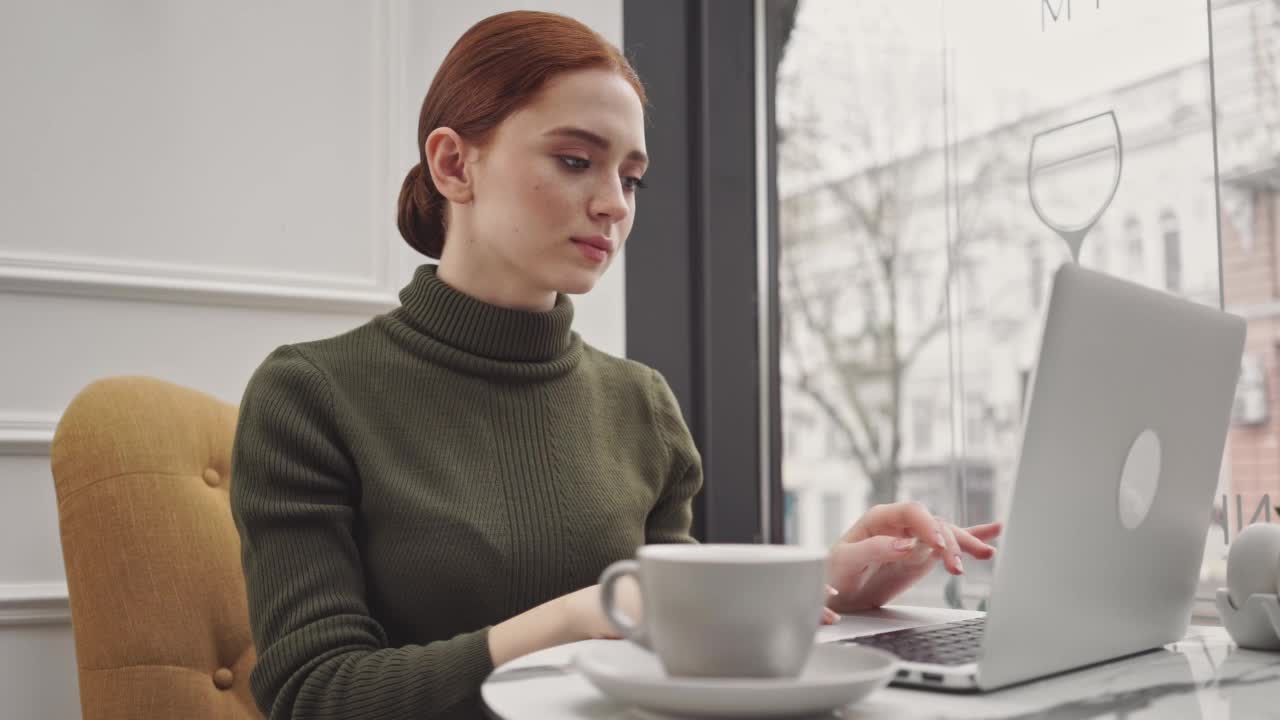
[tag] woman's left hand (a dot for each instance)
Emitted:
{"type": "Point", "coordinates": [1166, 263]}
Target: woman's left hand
{"type": "Point", "coordinates": [891, 547]}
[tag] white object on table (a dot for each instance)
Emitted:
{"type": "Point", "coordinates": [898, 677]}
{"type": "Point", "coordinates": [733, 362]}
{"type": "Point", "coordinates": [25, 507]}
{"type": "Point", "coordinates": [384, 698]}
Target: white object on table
{"type": "Point", "coordinates": [1253, 563]}
{"type": "Point", "coordinates": [834, 676]}
{"type": "Point", "coordinates": [1248, 605]}
{"type": "Point", "coordinates": [1203, 676]}
{"type": "Point", "coordinates": [1254, 625]}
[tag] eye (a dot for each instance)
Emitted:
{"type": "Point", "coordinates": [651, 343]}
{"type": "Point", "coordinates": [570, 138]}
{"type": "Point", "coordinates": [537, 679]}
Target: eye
{"type": "Point", "coordinates": [575, 163]}
{"type": "Point", "coordinates": [632, 183]}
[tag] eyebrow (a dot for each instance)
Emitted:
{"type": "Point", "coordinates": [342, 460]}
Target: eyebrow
{"type": "Point", "coordinates": [594, 139]}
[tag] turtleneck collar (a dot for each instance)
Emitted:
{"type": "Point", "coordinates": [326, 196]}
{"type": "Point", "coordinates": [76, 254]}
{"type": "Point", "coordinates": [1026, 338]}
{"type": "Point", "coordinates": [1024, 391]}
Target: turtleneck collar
{"type": "Point", "coordinates": [477, 328]}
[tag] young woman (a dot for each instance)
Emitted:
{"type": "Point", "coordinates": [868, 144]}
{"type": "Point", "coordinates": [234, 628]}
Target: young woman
{"type": "Point", "coordinates": [436, 492]}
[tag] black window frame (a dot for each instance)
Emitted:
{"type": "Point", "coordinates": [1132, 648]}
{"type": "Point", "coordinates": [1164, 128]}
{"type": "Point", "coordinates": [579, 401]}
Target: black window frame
{"type": "Point", "coordinates": [700, 299]}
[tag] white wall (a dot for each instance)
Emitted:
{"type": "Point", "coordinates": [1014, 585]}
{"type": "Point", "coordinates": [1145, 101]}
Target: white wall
{"type": "Point", "coordinates": [184, 187]}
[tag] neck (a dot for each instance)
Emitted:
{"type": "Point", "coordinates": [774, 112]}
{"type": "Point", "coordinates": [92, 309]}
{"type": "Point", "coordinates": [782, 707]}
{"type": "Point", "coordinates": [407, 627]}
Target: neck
{"type": "Point", "coordinates": [463, 332]}
{"type": "Point", "coordinates": [489, 279]}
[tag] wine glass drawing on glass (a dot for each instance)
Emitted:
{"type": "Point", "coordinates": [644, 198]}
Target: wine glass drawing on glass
{"type": "Point", "coordinates": [1073, 172]}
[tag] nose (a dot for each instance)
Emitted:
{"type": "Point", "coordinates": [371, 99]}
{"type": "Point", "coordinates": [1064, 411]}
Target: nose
{"type": "Point", "coordinates": [609, 203]}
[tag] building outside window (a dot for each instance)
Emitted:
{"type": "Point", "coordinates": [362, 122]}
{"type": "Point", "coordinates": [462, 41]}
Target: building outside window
{"type": "Point", "coordinates": [1133, 244]}
{"type": "Point", "coordinates": [1172, 250]}
{"type": "Point", "coordinates": [920, 198]}
{"type": "Point", "coordinates": [922, 419]}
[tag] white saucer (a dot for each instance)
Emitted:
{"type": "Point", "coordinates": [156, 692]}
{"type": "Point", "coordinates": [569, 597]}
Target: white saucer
{"type": "Point", "coordinates": [836, 675]}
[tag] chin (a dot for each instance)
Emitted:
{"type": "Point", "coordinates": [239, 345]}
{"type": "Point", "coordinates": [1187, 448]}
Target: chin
{"type": "Point", "coordinates": [577, 282]}
{"type": "Point", "coordinates": [577, 287]}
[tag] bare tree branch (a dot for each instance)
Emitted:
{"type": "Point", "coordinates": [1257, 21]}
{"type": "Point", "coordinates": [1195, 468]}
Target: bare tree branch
{"type": "Point", "coordinates": [806, 384]}
{"type": "Point", "coordinates": [857, 350]}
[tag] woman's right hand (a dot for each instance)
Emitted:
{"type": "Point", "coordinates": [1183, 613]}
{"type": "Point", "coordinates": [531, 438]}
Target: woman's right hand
{"type": "Point", "coordinates": [563, 619]}
{"type": "Point", "coordinates": [584, 613]}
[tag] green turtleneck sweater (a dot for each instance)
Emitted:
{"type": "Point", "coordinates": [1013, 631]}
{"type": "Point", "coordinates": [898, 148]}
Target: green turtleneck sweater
{"type": "Point", "coordinates": [404, 486]}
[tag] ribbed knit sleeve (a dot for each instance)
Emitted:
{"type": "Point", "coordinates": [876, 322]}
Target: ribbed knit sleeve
{"type": "Point", "coordinates": [294, 498]}
{"type": "Point", "coordinates": [672, 516]}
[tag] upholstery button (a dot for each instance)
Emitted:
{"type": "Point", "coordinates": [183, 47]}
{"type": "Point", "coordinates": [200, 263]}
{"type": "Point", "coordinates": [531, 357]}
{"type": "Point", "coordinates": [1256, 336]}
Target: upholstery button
{"type": "Point", "coordinates": [222, 678]}
{"type": "Point", "coordinates": [211, 477]}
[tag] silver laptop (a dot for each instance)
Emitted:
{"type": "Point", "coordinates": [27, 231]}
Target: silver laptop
{"type": "Point", "coordinates": [1124, 429]}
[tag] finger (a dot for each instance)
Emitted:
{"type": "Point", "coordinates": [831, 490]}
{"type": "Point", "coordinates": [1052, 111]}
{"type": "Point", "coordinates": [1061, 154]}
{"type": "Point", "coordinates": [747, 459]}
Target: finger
{"type": "Point", "coordinates": [920, 555]}
{"type": "Point", "coordinates": [829, 616]}
{"type": "Point", "coordinates": [850, 560]}
{"type": "Point", "coordinates": [951, 558]}
{"type": "Point", "coordinates": [985, 532]}
{"type": "Point", "coordinates": [972, 545]}
{"type": "Point", "coordinates": [884, 548]}
{"type": "Point", "coordinates": [904, 518]}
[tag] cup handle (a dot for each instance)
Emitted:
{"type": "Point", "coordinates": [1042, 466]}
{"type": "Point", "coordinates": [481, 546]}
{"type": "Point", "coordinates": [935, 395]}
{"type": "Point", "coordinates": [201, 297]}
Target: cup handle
{"type": "Point", "coordinates": [632, 630]}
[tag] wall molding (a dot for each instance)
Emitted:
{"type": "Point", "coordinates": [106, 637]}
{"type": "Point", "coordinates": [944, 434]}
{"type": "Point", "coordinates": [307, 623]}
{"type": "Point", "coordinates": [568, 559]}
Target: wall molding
{"type": "Point", "coordinates": [85, 276]}
{"type": "Point", "coordinates": [384, 187]}
{"type": "Point", "coordinates": [399, 107]}
{"type": "Point", "coordinates": [26, 435]}
{"type": "Point", "coordinates": [34, 604]}
{"type": "Point", "coordinates": [77, 275]}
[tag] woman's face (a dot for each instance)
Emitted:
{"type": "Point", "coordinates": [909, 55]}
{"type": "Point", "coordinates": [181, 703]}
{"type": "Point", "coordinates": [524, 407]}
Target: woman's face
{"type": "Point", "coordinates": [554, 189]}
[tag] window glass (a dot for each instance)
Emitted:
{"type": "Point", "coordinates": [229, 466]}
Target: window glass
{"type": "Point", "coordinates": [938, 160]}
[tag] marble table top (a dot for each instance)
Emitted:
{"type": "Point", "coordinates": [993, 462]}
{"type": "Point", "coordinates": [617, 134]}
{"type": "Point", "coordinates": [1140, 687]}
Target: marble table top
{"type": "Point", "coordinates": [1202, 676]}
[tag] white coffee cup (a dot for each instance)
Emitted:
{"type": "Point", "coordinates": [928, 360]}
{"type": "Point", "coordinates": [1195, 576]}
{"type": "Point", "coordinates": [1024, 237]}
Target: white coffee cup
{"type": "Point", "coordinates": [728, 610]}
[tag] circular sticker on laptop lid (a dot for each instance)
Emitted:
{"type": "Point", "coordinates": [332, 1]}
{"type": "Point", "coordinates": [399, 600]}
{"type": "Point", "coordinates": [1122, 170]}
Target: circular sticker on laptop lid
{"type": "Point", "coordinates": [1139, 479]}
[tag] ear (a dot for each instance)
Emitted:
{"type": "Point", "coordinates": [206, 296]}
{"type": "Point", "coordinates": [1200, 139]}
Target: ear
{"type": "Point", "coordinates": [447, 155]}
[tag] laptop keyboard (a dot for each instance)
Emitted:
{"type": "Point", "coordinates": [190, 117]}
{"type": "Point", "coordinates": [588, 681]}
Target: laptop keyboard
{"type": "Point", "coordinates": [953, 643]}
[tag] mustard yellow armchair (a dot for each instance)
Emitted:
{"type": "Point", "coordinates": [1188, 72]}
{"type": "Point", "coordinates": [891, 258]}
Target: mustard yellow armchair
{"type": "Point", "coordinates": [142, 469]}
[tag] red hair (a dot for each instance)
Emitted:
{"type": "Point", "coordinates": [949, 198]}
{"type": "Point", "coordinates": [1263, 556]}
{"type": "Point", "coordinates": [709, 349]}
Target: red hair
{"type": "Point", "coordinates": [496, 67]}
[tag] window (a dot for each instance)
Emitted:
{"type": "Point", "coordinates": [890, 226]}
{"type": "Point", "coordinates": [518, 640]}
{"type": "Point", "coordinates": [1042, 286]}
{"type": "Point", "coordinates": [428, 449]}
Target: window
{"type": "Point", "coordinates": [974, 299]}
{"type": "Point", "coordinates": [1250, 407]}
{"type": "Point", "coordinates": [927, 194]}
{"type": "Point", "coordinates": [790, 446]}
{"type": "Point", "coordinates": [922, 424]}
{"type": "Point", "coordinates": [1237, 216]}
{"type": "Point", "coordinates": [1035, 276]}
{"type": "Point", "coordinates": [1172, 251]}
{"type": "Point", "coordinates": [916, 286]}
{"type": "Point", "coordinates": [975, 410]}
{"type": "Point", "coordinates": [790, 508]}
{"type": "Point", "coordinates": [1133, 244]}
{"type": "Point", "coordinates": [1100, 249]}
{"type": "Point", "coordinates": [798, 428]}
{"type": "Point", "coordinates": [834, 519]}
{"type": "Point", "coordinates": [833, 445]}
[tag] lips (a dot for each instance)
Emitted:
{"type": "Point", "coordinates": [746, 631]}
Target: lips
{"type": "Point", "coordinates": [595, 249]}
{"type": "Point", "coordinates": [599, 242]}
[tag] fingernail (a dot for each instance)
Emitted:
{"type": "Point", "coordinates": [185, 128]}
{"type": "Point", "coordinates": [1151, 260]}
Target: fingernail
{"type": "Point", "coordinates": [959, 565]}
{"type": "Point", "coordinates": [904, 543]}
{"type": "Point", "coordinates": [832, 591]}
{"type": "Point", "coordinates": [942, 542]}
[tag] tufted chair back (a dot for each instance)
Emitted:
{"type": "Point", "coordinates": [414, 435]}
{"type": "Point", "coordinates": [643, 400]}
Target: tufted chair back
{"type": "Point", "coordinates": [152, 556]}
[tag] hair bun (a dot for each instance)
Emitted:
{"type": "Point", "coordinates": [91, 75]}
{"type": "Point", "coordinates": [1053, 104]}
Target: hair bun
{"type": "Point", "coordinates": [427, 196]}
{"type": "Point", "coordinates": [418, 213]}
